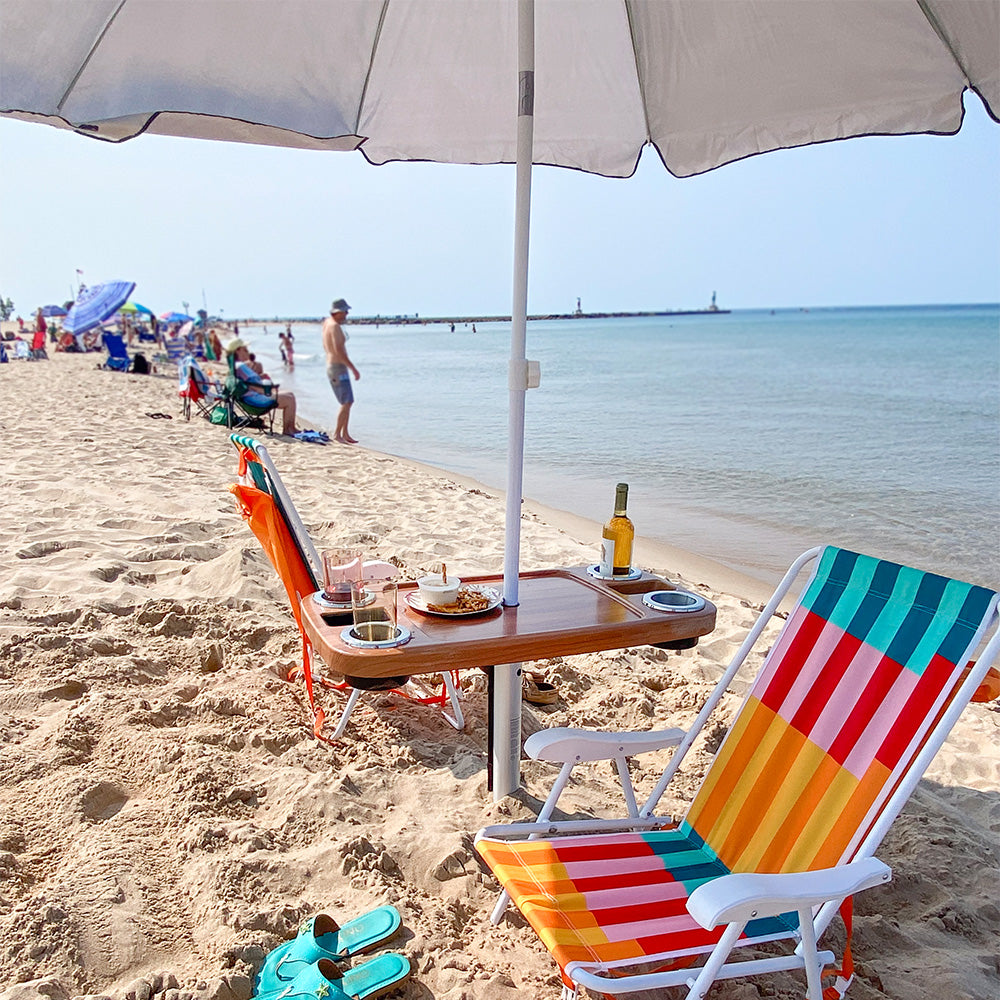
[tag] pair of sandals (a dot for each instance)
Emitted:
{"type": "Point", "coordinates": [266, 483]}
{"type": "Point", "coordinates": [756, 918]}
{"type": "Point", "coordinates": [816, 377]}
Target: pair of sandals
{"type": "Point", "coordinates": [309, 966]}
{"type": "Point", "coordinates": [159, 416]}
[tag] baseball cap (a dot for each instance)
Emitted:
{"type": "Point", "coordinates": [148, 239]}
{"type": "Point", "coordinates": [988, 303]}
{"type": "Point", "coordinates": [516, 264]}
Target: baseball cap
{"type": "Point", "coordinates": [340, 305]}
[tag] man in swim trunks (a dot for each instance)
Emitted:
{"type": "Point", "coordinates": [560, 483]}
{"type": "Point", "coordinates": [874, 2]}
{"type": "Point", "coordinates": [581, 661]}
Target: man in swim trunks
{"type": "Point", "coordinates": [257, 394]}
{"type": "Point", "coordinates": [338, 364]}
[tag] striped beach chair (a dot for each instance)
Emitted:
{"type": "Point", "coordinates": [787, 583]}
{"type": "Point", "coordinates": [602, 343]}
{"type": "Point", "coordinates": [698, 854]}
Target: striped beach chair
{"type": "Point", "coordinates": [867, 677]}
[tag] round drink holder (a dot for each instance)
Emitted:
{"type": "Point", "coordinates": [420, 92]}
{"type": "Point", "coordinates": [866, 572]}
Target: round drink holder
{"type": "Point", "coordinates": [675, 601]}
{"type": "Point", "coordinates": [324, 602]}
{"type": "Point", "coordinates": [595, 572]}
{"type": "Point", "coordinates": [349, 636]}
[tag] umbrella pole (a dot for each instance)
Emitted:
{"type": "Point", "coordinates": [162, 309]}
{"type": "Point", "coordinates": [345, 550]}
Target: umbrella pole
{"type": "Point", "coordinates": [505, 703]}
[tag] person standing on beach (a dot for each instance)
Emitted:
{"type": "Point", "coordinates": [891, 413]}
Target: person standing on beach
{"type": "Point", "coordinates": [337, 366]}
{"type": "Point", "coordinates": [286, 340]}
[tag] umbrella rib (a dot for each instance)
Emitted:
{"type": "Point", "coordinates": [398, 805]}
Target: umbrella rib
{"type": "Point", "coordinates": [90, 55]}
{"type": "Point", "coordinates": [638, 76]}
{"type": "Point", "coordinates": [936, 26]}
{"type": "Point", "coordinates": [371, 65]}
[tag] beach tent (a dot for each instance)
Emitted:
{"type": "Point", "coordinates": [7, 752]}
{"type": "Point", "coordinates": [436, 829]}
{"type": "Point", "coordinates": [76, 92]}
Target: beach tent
{"type": "Point", "coordinates": [585, 84]}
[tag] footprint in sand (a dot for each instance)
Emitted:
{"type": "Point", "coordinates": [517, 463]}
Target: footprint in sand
{"type": "Point", "coordinates": [103, 800]}
{"type": "Point", "coordinates": [107, 573]}
{"type": "Point", "coordinates": [39, 549]}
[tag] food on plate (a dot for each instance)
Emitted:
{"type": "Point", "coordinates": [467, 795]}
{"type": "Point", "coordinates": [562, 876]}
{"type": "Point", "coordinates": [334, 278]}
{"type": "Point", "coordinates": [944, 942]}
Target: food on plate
{"type": "Point", "coordinates": [467, 600]}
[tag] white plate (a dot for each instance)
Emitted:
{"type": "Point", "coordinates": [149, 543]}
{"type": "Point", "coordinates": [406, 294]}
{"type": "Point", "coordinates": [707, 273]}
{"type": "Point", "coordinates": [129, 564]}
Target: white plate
{"type": "Point", "coordinates": [417, 602]}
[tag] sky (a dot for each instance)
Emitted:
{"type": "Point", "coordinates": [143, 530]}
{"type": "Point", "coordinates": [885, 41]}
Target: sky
{"type": "Point", "coordinates": [247, 230]}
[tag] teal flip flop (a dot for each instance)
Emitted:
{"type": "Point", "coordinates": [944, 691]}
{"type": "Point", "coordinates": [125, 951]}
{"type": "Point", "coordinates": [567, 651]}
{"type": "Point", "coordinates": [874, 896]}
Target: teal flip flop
{"type": "Point", "coordinates": [324, 981]}
{"type": "Point", "coordinates": [322, 937]}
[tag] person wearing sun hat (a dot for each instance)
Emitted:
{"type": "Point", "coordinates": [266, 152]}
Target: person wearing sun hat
{"type": "Point", "coordinates": [338, 364]}
{"type": "Point", "coordinates": [257, 393]}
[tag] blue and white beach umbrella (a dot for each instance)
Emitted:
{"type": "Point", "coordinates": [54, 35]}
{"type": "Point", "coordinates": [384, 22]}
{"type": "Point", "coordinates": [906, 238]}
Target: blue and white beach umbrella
{"type": "Point", "coordinates": [95, 304]}
{"type": "Point", "coordinates": [50, 311]}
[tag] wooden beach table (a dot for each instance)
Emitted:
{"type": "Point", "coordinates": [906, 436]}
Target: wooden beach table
{"type": "Point", "coordinates": [562, 612]}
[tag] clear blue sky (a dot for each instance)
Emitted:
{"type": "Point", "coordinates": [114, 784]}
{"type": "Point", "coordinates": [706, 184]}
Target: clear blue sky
{"type": "Point", "coordinates": [262, 231]}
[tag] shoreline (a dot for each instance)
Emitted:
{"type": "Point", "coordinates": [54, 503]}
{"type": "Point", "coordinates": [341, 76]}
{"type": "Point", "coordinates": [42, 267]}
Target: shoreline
{"type": "Point", "coordinates": [748, 582]}
{"type": "Point", "coordinates": [653, 555]}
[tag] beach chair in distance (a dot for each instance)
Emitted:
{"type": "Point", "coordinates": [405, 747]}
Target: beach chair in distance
{"type": "Point", "coordinates": [177, 349]}
{"type": "Point", "coordinates": [267, 507]}
{"type": "Point", "coordinates": [239, 411]}
{"type": "Point", "coordinates": [194, 386]}
{"type": "Point", "coordinates": [866, 679]}
{"type": "Point", "coordinates": [118, 359]}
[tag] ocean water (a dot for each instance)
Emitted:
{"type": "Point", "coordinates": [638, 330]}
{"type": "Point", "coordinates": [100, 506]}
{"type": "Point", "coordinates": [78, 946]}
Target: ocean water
{"type": "Point", "coordinates": [745, 437]}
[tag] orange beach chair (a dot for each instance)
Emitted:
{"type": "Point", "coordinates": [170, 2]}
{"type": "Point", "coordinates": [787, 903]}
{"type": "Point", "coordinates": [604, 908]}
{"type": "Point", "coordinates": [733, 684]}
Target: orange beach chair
{"type": "Point", "coordinates": [264, 502]}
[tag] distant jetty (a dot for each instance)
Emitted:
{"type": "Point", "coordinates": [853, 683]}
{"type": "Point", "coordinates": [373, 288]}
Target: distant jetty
{"type": "Point", "coordinates": [428, 320]}
{"type": "Point", "coordinates": [466, 320]}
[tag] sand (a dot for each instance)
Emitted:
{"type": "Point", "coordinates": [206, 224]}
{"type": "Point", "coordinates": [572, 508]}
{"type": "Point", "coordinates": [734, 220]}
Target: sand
{"type": "Point", "coordinates": [166, 817]}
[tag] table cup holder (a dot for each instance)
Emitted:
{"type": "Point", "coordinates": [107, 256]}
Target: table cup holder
{"type": "Point", "coordinates": [396, 637]}
{"type": "Point", "coordinates": [674, 601]}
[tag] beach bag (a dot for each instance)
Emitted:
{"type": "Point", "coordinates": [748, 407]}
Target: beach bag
{"type": "Point", "coordinates": [140, 366]}
{"type": "Point", "coordinates": [220, 415]}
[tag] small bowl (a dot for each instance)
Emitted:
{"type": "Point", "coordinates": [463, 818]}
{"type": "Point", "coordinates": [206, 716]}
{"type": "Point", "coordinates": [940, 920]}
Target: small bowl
{"type": "Point", "coordinates": [435, 591]}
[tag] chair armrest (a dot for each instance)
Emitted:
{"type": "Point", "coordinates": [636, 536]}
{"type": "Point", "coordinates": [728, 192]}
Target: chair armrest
{"type": "Point", "coordinates": [562, 744]}
{"type": "Point", "coordinates": [747, 896]}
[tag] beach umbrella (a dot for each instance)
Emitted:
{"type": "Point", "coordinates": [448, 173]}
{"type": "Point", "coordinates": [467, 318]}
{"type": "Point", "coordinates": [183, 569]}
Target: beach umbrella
{"type": "Point", "coordinates": [135, 307]}
{"type": "Point", "coordinates": [176, 317]}
{"type": "Point", "coordinates": [95, 304]}
{"type": "Point", "coordinates": [585, 84]}
{"type": "Point", "coordinates": [53, 311]}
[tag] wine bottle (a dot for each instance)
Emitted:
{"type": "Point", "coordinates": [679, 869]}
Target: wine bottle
{"type": "Point", "coordinates": [617, 537]}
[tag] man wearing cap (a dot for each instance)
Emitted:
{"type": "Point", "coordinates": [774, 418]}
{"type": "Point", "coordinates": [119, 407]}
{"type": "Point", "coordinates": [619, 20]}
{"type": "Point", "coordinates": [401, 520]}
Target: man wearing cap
{"type": "Point", "coordinates": [257, 388]}
{"type": "Point", "coordinates": [337, 366]}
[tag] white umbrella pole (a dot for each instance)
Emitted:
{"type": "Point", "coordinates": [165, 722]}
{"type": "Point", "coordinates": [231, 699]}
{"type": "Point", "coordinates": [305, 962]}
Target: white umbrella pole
{"type": "Point", "coordinates": [506, 706]}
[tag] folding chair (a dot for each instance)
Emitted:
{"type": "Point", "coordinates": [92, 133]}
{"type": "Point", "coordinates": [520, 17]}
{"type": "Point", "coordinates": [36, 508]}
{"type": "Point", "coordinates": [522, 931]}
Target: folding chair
{"type": "Point", "coordinates": [177, 349]}
{"type": "Point", "coordinates": [240, 412]}
{"type": "Point", "coordinates": [194, 386]}
{"type": "Point", "coordinates": [118, 358]}
{"type": "Point", "coordinates": [264, 502]}
{"type": "Point", "coordinates": [865, 680]}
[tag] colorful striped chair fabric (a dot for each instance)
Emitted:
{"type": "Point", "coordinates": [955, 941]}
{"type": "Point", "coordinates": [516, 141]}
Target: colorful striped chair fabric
{"type": "Point", "coordinates": [854, 698]}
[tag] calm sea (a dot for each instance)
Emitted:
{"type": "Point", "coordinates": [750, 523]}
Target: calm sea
{"type": "Point", "coordinates": [745, 437]}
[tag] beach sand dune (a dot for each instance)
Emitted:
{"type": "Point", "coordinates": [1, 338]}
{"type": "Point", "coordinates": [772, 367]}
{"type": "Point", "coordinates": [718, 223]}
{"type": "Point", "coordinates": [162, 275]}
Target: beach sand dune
{"type": "Point", "coordinates": [166, 817]}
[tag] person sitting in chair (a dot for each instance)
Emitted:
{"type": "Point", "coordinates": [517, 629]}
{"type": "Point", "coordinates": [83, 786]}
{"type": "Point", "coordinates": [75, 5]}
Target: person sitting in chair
{"type": "Point", "coordinates": [258, 393]}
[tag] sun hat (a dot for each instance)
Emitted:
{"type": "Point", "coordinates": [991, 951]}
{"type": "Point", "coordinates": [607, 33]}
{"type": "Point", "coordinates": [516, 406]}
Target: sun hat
{"type": "Point", "coordinates": [340, 305]}
{"type": "Point", "coordinates": [234, 345]}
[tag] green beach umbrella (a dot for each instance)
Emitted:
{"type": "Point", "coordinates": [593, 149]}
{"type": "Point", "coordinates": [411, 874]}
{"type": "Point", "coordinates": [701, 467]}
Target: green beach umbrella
{"type": "Point", "coordinates": [583, 84]}
{"type": "Point", "coordinates": [135, 307]}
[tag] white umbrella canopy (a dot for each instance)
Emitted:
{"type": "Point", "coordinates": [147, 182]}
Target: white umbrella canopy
{"type": "Point", "coordinates": [704, 81]}
{"type": "Point", "coordinates": [585, 84]}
